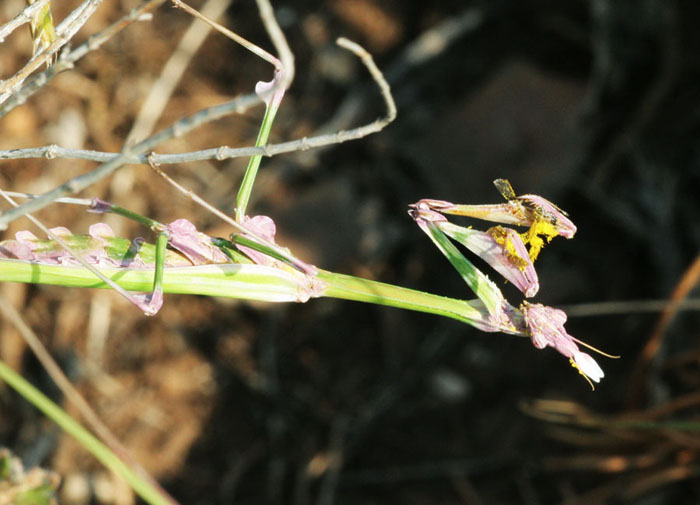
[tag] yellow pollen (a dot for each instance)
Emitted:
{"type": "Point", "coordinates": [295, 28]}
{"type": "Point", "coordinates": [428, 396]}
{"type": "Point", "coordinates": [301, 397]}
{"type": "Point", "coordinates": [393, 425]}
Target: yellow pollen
{"type": "Point", "coordinates": [500, 235]}
{"type": "Point", "coordinates": [540, 226]}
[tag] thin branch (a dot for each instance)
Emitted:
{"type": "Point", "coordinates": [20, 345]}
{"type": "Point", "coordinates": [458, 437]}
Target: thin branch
{"type": "Point", "coordinates": [172, 72]}
{"type": "Point", "coordinates": [130, 155]}
{"type": "Point", "coordinates": [64, 33]}
{"type": "Point", "coordinates": [286, 57]}
{"type": "Point", "coordinates": [20, 19]}
{"type": "Point", "coordinates": [67, 61]}
{"type": "Point", "coordinates": [626, 307]}
{"type": "Point", "coordinates": [258, 51]}
{"type": "Point", "coordinates": [224, 152]}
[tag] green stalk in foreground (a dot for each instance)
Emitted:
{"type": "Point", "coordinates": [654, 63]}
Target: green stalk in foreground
{"type": "Point", "coordinates": [139, 484]}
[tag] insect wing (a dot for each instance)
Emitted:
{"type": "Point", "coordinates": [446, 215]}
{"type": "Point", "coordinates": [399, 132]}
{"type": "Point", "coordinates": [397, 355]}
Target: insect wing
{"type": "Point", "coordinates": [505, 189]}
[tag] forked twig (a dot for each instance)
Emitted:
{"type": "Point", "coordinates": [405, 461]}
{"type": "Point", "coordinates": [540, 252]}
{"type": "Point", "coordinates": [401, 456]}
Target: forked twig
{"type": "Point", "coordinates": [135, 153]}
{"type": "Point", "coordinates": [129, 155]}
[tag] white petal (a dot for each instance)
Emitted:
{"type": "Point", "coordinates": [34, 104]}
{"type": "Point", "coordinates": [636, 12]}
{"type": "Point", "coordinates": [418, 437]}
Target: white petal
{"type": "Point", "coordinates": [588, 366]}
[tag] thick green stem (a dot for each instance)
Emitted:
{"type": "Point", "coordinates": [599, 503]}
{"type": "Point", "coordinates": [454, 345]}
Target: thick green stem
{"type": "Point", "coordinates": [101, 452]}
{"type": "Point", "coordinates": [253, 282]}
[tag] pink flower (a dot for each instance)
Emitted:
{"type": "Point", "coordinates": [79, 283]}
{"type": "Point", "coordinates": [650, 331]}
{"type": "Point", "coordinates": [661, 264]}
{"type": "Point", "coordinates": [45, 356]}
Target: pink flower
{"type": "Point", "coordinates": [546, 328]}
{"type": "Point", "coordinates": [540, 208]}
{"type": "Point", "coordinates": [503, 249]}
{"type": "Point", "coordinates": [264, 227]}
{"type": "Point", "coordinates": [544, 219]}
{"type": "Point", "coordinates": [195, 245]}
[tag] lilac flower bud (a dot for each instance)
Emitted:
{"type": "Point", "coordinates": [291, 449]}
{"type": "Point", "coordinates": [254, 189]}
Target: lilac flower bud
{"type": "Point", "coordinates": [101, 231]}
{"type": "Point", "coordinates": [422, 212]}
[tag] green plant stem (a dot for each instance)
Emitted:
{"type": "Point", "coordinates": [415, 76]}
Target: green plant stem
{"type": "Point", "coordinates": [139, 484]}
{"type": "Point", "coordinates": [253, 282]}
{"type": "Point", "coordinates": [252, 170]}
{"type": "Point", "coordinates": [348, 287]}
{"type": "Point", "coordinates": [230, 280]}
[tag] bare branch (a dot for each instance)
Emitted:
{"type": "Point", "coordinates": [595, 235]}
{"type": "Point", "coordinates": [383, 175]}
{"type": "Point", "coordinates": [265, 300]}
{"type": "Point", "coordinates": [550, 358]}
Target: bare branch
{"type": "Point", "coordinates": [22, 18]}
{"type": "Point", "coordinates": [173, 70]}
{"type": "Point", "coordinates": [130, 155]}
{"type": "Point", "coordinates": [66, 61]}
{"type": "Point", "coordinates": [273, 29]}
{"type": "Point", "coordinates": [224, 152]}
{"type": "Point", "coordinates": [64, 32]}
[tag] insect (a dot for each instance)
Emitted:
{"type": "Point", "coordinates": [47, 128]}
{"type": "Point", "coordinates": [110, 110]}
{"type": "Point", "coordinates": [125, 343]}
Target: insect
{"type": "Point", "coordinates": [503, 186]}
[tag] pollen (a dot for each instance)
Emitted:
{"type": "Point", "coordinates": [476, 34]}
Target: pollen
{"type": "Point", "coordinates": [541, 227]}
{"type": "Point", "coordinates": [500, 235]}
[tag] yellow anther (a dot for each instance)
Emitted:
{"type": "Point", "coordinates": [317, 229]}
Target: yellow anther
{"type": "Point", "coordinates": [573, 364]}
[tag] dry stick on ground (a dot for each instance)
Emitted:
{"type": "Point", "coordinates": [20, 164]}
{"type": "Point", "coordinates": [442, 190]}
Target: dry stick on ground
{"type": "Point", "coordinates": [638, 382]}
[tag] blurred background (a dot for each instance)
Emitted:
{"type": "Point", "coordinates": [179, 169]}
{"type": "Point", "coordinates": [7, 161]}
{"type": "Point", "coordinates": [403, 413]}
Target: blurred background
{"type": "Point", "coordinates": [592, 104]}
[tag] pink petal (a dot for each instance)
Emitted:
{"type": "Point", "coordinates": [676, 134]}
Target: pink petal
{"type": "Point", "coordinates": [196, 246]}
{"type": "Point", "coordinates": [101, 231]}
